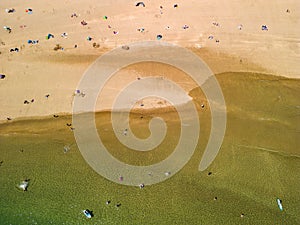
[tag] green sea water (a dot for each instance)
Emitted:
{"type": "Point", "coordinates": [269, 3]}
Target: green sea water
{"type": "Point", "coordinates": [257, 163]}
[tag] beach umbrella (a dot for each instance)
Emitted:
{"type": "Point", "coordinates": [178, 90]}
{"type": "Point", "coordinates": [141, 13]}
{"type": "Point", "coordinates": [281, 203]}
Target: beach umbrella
{"type": "Point", "coordinates": [2, 76]}
{"type": "Point", "coordinates": [158, 37]}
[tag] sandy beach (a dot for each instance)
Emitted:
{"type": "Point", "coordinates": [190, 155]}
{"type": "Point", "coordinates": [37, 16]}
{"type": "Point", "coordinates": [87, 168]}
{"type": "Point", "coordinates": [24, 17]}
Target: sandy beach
{"type": "Point", "coordinates": [55, 165]}
{"type": "Point", "coordinates": [228, 36]}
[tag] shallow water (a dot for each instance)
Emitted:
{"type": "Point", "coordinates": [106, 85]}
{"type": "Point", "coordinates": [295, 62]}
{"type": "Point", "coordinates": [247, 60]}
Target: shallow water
{"type": "Point", "coordinates": [258, 162]}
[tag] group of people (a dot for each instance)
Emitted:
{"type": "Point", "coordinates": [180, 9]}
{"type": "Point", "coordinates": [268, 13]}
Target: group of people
{"type": "Point", "coordinates": [114, 31]}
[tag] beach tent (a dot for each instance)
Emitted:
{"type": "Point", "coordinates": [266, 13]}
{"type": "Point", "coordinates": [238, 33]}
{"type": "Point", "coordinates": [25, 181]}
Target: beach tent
{"type": "Point", "coordinates": [2, 76]}
{"type": "Point", "coordinates": [140, 3]}
{"type": "Point", "coordinates": [49, 36]}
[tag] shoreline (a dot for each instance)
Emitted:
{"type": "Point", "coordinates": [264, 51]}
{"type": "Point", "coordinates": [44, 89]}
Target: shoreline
{"type": "Point", "coordinates": [64, 115]}
{"type": "Point", "coordinates": [162, 108]}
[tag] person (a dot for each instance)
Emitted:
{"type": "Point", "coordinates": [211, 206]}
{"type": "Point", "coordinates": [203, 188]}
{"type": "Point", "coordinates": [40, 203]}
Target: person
{"type": "Point", "coordinates": [24, 184]}
{"type": "Point", "coordinates": [12, 10]}
{"type": "Point", "coordinates": [83, 23]}
{"type": "Point", "coordinates": [125, 47]}
{"type": "Point", "coordinates": [88, 213]}
{"type": "Point", "coordinates": [29, 11]}
{"type": "Point", "coordinates": [7, 28]}
{"type": "Point", "coordinates": [66, 149]}
{"type": "Point", "coordinates": [264, 27]}
{"type": "Point", "coordinates": [64, 35]}
{"type": "Point", "coordinates": [185, 27]}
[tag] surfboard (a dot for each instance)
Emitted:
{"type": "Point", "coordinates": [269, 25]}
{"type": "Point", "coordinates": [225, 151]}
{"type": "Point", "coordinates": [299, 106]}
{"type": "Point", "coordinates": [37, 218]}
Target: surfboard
{"type": "Point", "coordinates": [279, 203]}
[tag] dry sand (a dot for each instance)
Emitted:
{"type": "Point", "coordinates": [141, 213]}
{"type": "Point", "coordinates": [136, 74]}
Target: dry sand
{"type": "Point", "coordinates": [38, 70]}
